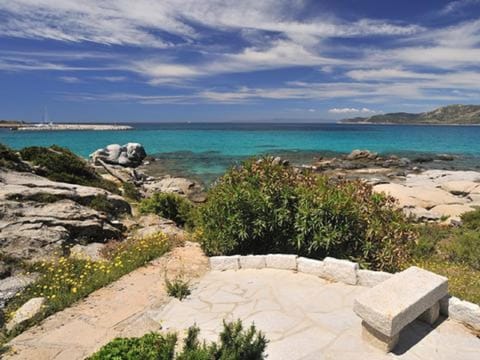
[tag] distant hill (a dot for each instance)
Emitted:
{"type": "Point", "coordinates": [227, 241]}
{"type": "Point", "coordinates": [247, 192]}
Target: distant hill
{"type": "Point", "coordinates": [452, 115]}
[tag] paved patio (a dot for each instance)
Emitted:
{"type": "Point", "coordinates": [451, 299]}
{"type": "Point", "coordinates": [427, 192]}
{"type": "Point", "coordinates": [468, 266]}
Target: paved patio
{"type": "Point", "coordinates": [305, 318]}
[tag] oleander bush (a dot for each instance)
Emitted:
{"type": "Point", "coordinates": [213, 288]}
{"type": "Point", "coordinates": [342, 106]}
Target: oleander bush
{"type": "Point", "coordinates": [235, 343]}
{"type": "Point", "coordinates": [64, 280]}
{"type": "Point", "coordinates": [60, 164]}
{"type": "Point", "coordinates": [170, 206]}
{"type": "Point", "coordinates": [261, 207]}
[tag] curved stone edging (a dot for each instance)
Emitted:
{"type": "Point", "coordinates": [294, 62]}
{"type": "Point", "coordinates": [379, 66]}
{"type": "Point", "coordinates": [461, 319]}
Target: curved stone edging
{"type": "Point", "coordinates": [343, 271]}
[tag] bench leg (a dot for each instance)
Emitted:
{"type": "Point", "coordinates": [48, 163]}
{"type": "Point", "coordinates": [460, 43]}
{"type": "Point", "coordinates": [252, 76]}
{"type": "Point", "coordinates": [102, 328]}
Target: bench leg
{"type": "Point", "coordinates": [377, 339]}
{"type": "Point", "coordinates": [431, 315]}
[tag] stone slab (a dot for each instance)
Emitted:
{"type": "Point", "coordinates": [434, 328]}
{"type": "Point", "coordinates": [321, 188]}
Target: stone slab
{"type": "Point", "coordinates": [371, 278]}
{"type": "Point", "coordinates": [253, 262]}
{"type": "Point", "coordinates": [377, 339]}
{"type": "Point", "coordinates": [221, 263]}
{"type": "Point", "coordinates": [340, 270]}
{"type": "Point", "coordinates": [310, 266]}
{"type": "Point", "coordinates": [396, 302]}
{"type": "Point", "coordinates": [464, 312]}
{"type": "Point", "coordinates": [281, 261]}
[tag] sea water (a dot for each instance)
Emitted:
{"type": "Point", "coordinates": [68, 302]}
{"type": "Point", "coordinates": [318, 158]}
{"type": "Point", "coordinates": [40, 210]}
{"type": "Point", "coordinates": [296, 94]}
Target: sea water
{"type": "Point", "coordinates": [207, 149]}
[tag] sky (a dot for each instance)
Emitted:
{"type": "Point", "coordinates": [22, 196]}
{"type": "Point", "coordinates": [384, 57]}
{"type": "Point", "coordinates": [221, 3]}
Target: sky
{"type": "Point", "coordinates": [235, 60]}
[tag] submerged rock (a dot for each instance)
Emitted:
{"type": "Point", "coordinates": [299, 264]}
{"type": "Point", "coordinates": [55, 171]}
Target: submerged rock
{"type": "Point", "coordinates": [128, 155]}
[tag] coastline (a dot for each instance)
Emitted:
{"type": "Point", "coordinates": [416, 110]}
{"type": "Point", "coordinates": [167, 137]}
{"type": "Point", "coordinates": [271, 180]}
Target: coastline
{"type": "Point", "coordinates": [399, 124]}
{"type": "Point", "coordinates": [69, 127]}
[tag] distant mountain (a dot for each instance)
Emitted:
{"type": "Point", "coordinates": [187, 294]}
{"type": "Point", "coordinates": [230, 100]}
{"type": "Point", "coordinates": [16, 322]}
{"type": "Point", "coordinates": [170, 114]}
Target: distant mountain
{"type": "Point", "coordinates": [452, 114]}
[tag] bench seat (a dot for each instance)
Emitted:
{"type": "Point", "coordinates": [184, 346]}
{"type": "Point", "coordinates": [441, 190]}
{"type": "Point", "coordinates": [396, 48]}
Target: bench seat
{"type": "Point", "coordinates": [393, 304]}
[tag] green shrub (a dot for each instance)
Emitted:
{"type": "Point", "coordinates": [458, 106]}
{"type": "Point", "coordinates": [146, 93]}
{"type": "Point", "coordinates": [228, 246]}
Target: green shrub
{"type": "Point", "coordinates": [465, 248]}
{"type": "Point", "coordinates": [234, 343]}
{"type": "Point", "coordinates": [101, 203]}
{"type": "Point", "coordinates": [260, 208]}
{"type": "Point", "coordinates": [9, 159]}
{"type": "Point", "coordinates": [169, 206]}
{"type": "Point", "coordinates": [130, 191]}
{"type": "Point", "coordinates": [64, 280]}
{"type": "Point", "coordinates": [471, 220]}
{"type": "Point", "coordinates": [60, 164]}
{"type": "Point", "coordinates": [178, 288]}
{"type": "Point", "coordinates": [152, 346]}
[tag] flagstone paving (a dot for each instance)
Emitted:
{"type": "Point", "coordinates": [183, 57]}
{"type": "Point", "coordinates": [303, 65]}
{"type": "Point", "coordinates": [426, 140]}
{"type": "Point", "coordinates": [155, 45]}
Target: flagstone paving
{"type": "Point", "coordinates": [305, 318]}
{"type": "Point", "coordinates": [118, 310]}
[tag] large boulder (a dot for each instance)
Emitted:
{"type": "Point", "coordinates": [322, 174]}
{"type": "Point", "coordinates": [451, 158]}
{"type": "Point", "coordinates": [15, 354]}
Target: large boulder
{"type": "Point", "coordinates": [128, 155]}
{"type": "Point", "coordinates": [177, 185]}
{"type": "Point", "coordinates": [39, 217]}
{"type": "Point", "coordinates": [362, 154]}
{"type": "Point", "coordinates": [150, 224]}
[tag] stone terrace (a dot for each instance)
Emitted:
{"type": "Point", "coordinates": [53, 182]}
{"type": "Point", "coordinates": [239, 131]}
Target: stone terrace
{"type": "Point", "coordinates": [305, 317]}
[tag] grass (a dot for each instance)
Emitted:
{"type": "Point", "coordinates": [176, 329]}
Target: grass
{"type": "Point", "coordinates": [64, 280]}
{"type": "Point", "coordinates": [177, 288]}
{"type": "Point", "coordinates": [454, 253]}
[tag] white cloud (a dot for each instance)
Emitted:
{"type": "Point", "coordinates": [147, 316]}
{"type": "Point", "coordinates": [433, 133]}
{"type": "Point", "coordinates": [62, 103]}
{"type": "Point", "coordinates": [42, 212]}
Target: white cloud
{"type": "Point", "coordinates": [126, 22]}
{"type": "Point", "coordinates": [71, 79]}
{"type": "Point", "coordinates": [351, 111]}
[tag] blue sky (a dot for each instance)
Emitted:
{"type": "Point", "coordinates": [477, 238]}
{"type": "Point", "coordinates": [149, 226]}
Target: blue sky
{"type": "Point", "coordinates": [231, 60]}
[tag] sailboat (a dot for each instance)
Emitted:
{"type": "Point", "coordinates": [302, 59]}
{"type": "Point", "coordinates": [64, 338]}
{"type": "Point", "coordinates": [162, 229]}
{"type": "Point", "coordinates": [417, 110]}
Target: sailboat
{"type": "Point", "coordinates": [45, 122]}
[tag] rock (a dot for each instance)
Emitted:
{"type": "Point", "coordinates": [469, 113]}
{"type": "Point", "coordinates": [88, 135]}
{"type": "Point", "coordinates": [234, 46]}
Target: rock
{"type": "Point", "coordinates": [361, 154]}
{"type": "Point", "coordinates": [418, 196]}
{"type": "Point", "coordinates": [11, 286]}
{"type": "Point", "coordinates": [27, 311]}
{"type": "Point", "coordinates": [421, 214]}
{"type": "Point", "coordinates": [151, 224]}
{"type": "Point", "coordinates": [222, 263]}
{"type": "Point", "coordinates": [253, 262]}
{"type": "Point", "coordinates": [128, 155]}
{"type": "Point", "coordinates": [461, 187]}
{"type": "Point", "coordinates": [445, 157]}
{"type": "Point", "coordinates": [32, 228]}
{"type": "Point", "coordinates": [277, 161]}
{"type": "Point", "coordinates": [450, 210]}
{"type": "Point", "coordinates": [423, 159]}
{"type": "Point", "coordinates": [87, 252]}
{"type": "Point", "coordinates": [282, 261]}
{"type": "Point", "coordinates": [177, 185]}
{"type": "Point", "coordinates": [340, 270]}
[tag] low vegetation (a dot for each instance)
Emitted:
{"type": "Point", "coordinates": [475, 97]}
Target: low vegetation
{"type": "Point", "coordinates": [60, 164]}
{"type": "Point", "coordinates": [65, 280]}
{"type": "Point", "coordinates": [169, 206]}
{"type": "Point", "coordinates": [9, 159]}
{"type": "Point", "coordinates": [177, 288]}
{"type": "Point", "coordinates": [131, 192]}
{"type": "Point", "coordinates": [453, 252]}
{"type": "Point", "coordinates": [265, 208]}
{"type": "Point", "coordinates": [235, 343]}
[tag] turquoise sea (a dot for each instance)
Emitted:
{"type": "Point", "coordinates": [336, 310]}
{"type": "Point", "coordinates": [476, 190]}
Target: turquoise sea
{"type": "Point", "coordinates": [205, 150]}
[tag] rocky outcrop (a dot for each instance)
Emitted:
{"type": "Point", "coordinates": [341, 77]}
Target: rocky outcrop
{"type": "Point", "coordinates": [12, 285]}
{"type": "Point", "coordinates": [150, 224]}
{"type": "Point", "coordinates": [39, 217]}
{"type": "Point", "coordinates": [128, 155]}
{"type": "Point", "coordinates": [436, 194]}
{"type": "Point", "coordinates": [176, 185]}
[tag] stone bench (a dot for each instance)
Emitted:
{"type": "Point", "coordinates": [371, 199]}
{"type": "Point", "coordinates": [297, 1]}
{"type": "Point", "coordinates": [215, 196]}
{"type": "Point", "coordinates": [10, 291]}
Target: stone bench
{"type": "Point", "coordinates": [393, 304]}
